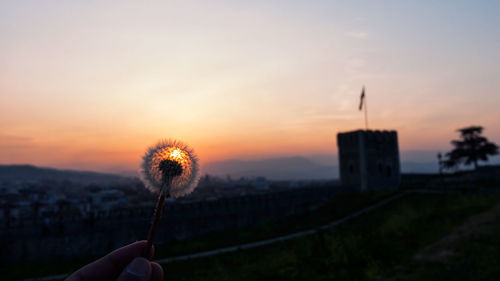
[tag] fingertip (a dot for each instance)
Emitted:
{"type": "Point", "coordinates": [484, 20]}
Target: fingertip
{"type": "Point", "coordinates": [138, 270]}
{"type": "Point", "coordinates": [156, 272]}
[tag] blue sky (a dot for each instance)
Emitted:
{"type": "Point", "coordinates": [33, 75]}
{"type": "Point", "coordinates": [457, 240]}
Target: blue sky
{"type": "Point", "coordinates": [90, 84]}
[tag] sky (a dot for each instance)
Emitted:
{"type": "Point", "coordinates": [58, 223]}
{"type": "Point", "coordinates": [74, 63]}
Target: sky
{"type": "Point", "coordinates": [91, 84]}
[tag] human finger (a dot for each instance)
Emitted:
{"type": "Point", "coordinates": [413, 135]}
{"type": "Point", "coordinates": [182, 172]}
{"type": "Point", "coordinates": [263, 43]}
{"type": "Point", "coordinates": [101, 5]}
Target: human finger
{"type": "Point", "coordinates": [156, 272]}
{"type": "Point", "coordinates": [138, 270]}
{"type": "Point", "coordinates": [110, 266]}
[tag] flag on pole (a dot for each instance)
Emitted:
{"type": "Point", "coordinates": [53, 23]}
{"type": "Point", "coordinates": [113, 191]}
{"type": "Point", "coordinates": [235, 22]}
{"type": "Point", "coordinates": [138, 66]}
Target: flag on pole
{"type": "Point", "coordinates": [362, 99]}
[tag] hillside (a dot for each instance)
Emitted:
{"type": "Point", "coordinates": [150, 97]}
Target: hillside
{"type": "Point", "coordinates": [29, 173]}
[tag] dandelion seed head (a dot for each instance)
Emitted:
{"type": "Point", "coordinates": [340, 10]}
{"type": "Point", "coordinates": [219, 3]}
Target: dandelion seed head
{"type": "Point", "coordinates": [173, 157]}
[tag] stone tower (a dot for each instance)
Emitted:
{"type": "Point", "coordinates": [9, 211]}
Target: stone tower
{"type": "Point", "coordinates": [369, 159]}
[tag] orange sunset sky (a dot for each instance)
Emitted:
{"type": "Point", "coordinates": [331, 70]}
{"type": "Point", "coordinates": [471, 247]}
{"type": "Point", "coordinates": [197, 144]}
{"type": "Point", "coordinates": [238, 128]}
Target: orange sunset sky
{"type": "Point", "coordinates": [91, 84]}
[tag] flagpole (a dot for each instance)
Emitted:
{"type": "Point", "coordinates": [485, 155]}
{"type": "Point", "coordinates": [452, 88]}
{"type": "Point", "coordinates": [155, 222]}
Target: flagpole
{"type": "Point", "coordinates": [366, 112]}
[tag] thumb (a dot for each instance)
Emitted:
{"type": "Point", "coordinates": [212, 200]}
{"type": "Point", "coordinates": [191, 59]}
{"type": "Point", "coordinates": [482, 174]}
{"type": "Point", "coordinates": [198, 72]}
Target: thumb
{"type": "Point", "coordinates": [138, 270]}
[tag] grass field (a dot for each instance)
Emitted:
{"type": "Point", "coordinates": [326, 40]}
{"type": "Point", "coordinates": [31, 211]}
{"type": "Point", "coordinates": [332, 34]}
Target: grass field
{"type": "Point", "coordinates": [341, 205]}
{"type": "Point", "coordinates": [377, 245]}
{"type": "Point", "coordinates": [372, 247]}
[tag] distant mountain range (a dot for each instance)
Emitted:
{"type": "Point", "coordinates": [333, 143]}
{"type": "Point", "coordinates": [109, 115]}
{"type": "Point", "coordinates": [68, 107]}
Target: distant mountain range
{"type": "Point", "coordinates": [285, 168]}
{"type": "Point", "coordinates": [33, 173]}
{"type": "Point", "coordinates": [295, 168]}
{"type": "Point", "coordinates": [323, 166]}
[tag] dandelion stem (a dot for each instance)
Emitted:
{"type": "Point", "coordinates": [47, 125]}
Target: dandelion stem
{"type": "Point", "coordinates": [169, 169]}
{"type": "Point", "coordinates": [154, 225]}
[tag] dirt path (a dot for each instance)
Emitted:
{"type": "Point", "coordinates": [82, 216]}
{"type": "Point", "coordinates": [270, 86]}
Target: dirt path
{"type": "Point", "coordinates": [442, 251]}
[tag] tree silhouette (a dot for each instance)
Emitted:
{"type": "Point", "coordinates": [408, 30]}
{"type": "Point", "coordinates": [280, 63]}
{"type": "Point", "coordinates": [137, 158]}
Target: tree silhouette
{"type": "Point", "coordinates": [440, 162]}
{"type": "Point", "coordinates": [470, 148]}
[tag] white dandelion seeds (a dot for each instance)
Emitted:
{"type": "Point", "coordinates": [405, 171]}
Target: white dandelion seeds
{"type": "Point", "coordinates": [169, 168]}
{"type": "Point", "coordinates": [170, 153]}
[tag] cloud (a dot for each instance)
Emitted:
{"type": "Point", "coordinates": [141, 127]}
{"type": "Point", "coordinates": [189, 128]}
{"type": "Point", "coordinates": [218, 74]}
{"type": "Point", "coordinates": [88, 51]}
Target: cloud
{"type": "Point", "coordinates": [14, 142]}
{"type": "Point", "coordinates": [357, 34]}
{"type": "Point", "coordinates": [355, 63]}
{"type": "Point", "coordinates": [359, 19]}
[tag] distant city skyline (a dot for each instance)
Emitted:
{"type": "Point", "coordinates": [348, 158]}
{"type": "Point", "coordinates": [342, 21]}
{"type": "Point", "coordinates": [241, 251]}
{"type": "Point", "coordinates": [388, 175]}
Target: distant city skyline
{"type": "Point", "coordinates": [90, 85]}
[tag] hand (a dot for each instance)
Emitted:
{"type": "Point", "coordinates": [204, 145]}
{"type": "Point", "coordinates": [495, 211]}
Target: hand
{"type": "Point", "coordinates": [124, 264]}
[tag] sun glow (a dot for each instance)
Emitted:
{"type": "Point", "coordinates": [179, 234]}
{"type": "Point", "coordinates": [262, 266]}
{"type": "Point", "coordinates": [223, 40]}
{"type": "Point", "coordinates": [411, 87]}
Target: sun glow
{"type": "Point", "coordinates": [176, 154]}
{"type": "Point", "coordinates": [172, 153]}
